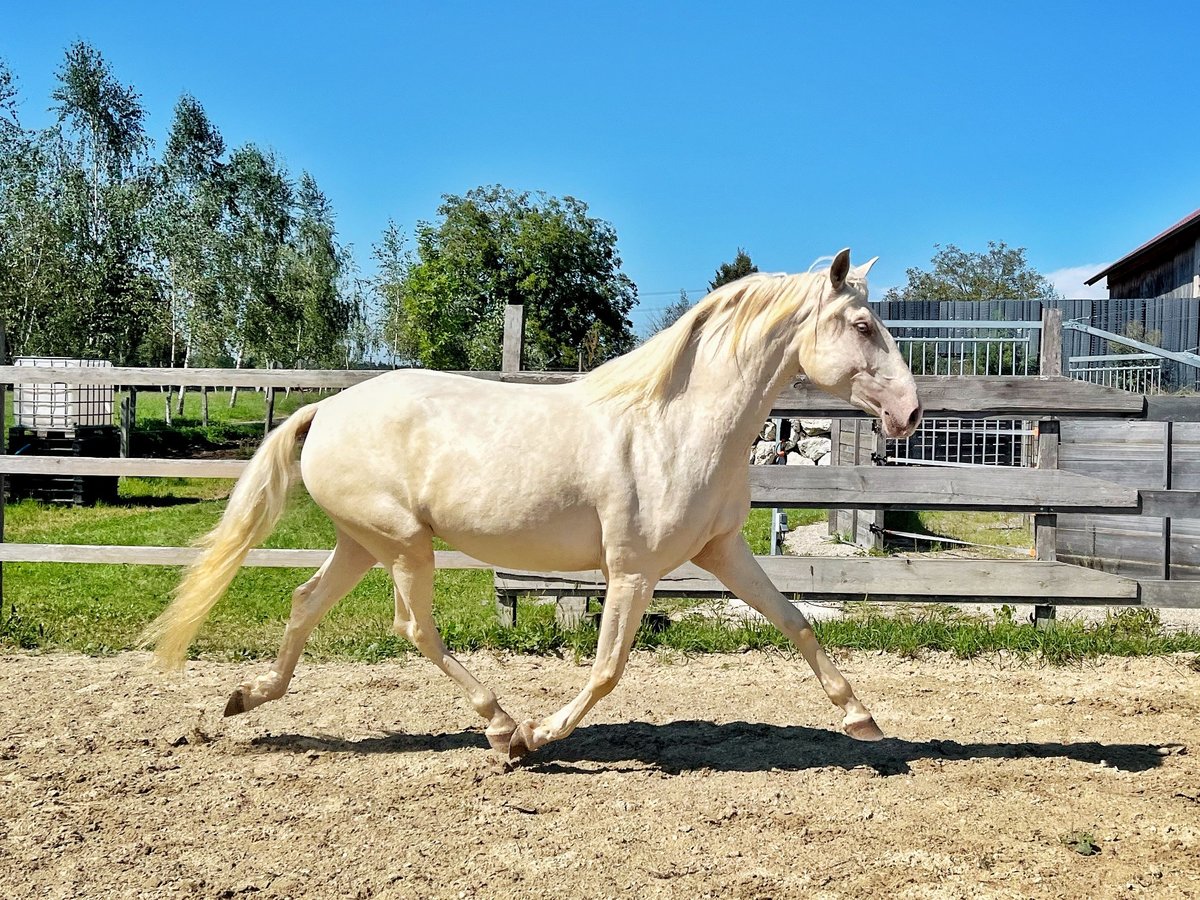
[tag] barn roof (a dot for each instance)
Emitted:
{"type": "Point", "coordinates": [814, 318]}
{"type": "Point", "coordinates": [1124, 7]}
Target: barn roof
{"type": "Point", "coordinates": [1149, 245]}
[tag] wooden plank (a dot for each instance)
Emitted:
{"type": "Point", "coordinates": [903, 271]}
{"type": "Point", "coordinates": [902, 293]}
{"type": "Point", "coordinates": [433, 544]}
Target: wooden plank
{"type": "Point", "coordinates": [869, 487]}
{"type": "Point", "coordinates": [895, 487]}
{"type": "Point", "coordinates": [873, 578]}
{"type": "Point", "coordinates": [142, 467]}
{"type": "Point", "coordinates": [1045, 524]}
{"type": "Point", "coordinates": [941, 395]}
{"type": "Point", "coordinates": [976, 396]}
{"type": "Point", "coordinates": [182, 556]}
{"type": "Point", "coordinates": [247, 378]}
{"type": "Point", "coordinates": [1173, 594]}
{"type": "Point", "coordinates": [513, 347]}
{"type": "Point", "coordinates": [1173, 409]}
{"type": "Point", "coordinates": [1050, 349]}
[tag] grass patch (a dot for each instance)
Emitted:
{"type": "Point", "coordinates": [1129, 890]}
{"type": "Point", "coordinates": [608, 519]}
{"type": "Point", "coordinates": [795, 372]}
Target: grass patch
{"type": "Point", "coordinates": [100, 609]}
{"type": "Point", "coordinates": [987, 530]}
{"type": "Point", "coordinates": [1082, 842]}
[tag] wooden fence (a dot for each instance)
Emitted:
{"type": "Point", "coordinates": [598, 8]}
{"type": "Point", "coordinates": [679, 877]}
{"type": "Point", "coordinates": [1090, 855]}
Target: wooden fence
{"type": "Point", "coordinates": [1045, 493]}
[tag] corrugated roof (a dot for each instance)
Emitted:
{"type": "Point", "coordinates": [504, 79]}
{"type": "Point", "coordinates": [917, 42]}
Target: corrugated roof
{"type": "Point", "coordinates": [1150, 244]}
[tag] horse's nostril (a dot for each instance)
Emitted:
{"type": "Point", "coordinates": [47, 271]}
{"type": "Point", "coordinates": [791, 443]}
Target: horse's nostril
{"type": "Point", "coordinates": [915, 417]}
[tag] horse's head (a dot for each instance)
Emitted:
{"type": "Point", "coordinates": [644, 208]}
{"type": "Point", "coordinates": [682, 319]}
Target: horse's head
{"type": "Point", "coordinates": [849, 353]}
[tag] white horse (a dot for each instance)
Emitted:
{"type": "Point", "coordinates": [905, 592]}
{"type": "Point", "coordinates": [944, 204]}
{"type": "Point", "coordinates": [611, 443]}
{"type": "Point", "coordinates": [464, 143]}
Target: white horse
{"type": "Point", "coordinates": [562, 477]}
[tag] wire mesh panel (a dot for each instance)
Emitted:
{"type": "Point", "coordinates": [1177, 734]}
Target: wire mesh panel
{"type": "Point", "coordinates": [62, 406]}
{"type": "Point", "coordinates": [965, 442]}
{"type": "Point", "coordinates": [1138, 373]}
{"type": "Point", "coordinates": [972, 347]}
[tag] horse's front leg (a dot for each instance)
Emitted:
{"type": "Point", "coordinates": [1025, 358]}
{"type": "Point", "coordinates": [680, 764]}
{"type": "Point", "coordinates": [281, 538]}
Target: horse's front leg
{"type": "Point", "coordinates": [730, 560]}
{"type": "Point", "coordinates": [625, 600]}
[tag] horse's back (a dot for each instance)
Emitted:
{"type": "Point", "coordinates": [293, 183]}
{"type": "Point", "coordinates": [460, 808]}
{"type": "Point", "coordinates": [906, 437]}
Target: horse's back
{"type": "Point", "coordinates": [500, 471]}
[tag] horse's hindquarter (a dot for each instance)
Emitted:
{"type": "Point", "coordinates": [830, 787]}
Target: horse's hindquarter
{"type": "Point", "coordinates": [498, 471]}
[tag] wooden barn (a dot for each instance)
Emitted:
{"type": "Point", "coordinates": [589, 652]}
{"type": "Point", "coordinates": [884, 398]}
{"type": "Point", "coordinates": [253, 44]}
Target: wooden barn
{"type": "Point", "coordinates": [1167, 265]}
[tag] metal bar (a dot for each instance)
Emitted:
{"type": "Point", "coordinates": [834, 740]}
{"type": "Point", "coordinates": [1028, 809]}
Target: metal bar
{"type": "Point", "coordinates": [959, 324]}
{"type": "Point", "coordinates": [1185, 358]}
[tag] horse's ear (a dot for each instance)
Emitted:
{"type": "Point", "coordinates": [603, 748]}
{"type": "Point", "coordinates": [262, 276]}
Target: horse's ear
{"type": "Point", "coordinates": [840, 269]}
{"type": "Point", "coordinates": [861, 271]}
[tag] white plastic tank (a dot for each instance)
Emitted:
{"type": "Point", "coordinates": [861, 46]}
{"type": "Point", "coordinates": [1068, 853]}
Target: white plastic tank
{"type": "Point", "coordinates": [62, 406]}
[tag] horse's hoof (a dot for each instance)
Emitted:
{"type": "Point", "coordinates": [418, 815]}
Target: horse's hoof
{"type": "Point", "coordinates": [500, 740]}
{"type": "Point", "coordinates": [236, 704]}
{"type": "Point", "coordinates": [864, 730]}
{"type": "Point", "coordinates": [521, 741]}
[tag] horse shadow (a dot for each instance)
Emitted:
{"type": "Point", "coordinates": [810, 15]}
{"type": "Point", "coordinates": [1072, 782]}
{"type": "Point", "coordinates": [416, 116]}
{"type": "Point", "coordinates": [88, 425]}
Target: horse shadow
{"type": "Point", "coordinates": [689, 746]}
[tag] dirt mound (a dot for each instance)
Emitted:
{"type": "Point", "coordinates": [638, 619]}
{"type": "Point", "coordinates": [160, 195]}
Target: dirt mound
{"type": "Point", "coordinates": [716, 776]}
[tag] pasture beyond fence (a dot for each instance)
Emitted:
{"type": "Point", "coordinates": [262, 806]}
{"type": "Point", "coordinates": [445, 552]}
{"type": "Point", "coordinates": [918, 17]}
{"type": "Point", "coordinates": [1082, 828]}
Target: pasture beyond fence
{"type": "Point", "coordinates": [1045, 492]}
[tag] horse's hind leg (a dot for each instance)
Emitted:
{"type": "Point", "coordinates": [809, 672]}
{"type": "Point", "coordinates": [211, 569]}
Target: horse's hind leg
{"type": "Point", "coordinates": [413, 574]}
{"type": "Point", "coordinates": [338, 575]}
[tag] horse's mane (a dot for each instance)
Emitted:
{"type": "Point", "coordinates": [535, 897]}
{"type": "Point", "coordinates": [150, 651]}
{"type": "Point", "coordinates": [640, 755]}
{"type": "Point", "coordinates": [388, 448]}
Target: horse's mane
{"type": "Point", "coordinates": [749, 309]}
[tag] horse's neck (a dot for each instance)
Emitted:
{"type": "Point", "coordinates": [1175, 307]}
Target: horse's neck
{"type": "Point", "coordinates": [727, 400]}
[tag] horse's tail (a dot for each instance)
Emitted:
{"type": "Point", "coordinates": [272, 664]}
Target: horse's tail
{"type": "Point", "coordinates": [254, 507]}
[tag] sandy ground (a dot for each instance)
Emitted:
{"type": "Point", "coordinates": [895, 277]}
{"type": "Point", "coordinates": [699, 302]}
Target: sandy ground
{"type": "Point", "coordinates": [716, 776]}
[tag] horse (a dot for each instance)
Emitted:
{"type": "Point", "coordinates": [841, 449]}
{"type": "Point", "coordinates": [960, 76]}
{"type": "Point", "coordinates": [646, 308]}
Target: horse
{"type": "Point", "coordinates": [564, 477]}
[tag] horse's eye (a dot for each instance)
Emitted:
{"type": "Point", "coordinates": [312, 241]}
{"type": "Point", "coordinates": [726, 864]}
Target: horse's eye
{"type": "Point", "coordinates": [863, 327]}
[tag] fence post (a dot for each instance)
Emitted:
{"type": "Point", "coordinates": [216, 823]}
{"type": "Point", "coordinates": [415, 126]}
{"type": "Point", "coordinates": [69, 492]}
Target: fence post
{"type": "Point", "coordinates": [270, 418]}
{"type": "Point", "coordinates": [1168, 464]}
{"type": "Point", "coordinates": [1045, 525]}
{"type": "Point", "coordinates": [514, 337]}
{"type": "Point", "coordinates": [128, 416]}
{"type": "Point", "coordinates": [1050, 350]}
{"type": "Point", "coordinates": [835, 459]}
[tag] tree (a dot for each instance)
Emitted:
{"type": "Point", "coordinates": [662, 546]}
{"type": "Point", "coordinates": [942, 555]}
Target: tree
{"type": "Point", "coordinates": [105, 299]}
{"type": "Point", "coordinates": [670, 314]}
{"type": "Point", "coordinates": [1000, 273]}
{"type": "Point", "coordinates": [494, 246]}
{"type": "Point", "coordinates": [314, 266]}
{"type": "Point", "coordinates": [739, 268]}
{"type": "Point", "coordinates": [32, 262]}
{"type": "Point", "coordinates": [190, 202]}
{"type": "Point", "coordinates": [257, 318]}
{"type": "Point", "coordinates": [393, 261]}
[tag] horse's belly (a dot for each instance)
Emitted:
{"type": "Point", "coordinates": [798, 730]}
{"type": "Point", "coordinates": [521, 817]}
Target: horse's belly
{"type": "Point", "coordinates": [564, 546]}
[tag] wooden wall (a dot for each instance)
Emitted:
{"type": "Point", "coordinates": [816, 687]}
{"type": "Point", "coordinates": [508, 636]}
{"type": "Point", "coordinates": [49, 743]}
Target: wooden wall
{"type": "Point", "coordinates": [1132, 454]}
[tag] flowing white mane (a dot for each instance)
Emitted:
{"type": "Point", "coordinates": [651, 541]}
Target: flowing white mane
{"type": "Point", "coordinates": [749, 309]}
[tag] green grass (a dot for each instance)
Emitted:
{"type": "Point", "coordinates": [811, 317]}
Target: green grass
{"type": "Point", "coordinates": [100, 609]}
{"type": "Point", "coordinates": [987, 530]}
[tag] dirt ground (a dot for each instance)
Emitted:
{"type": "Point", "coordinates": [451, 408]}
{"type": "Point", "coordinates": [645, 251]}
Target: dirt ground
{"type": "Point", "coordinates": [716, 776]}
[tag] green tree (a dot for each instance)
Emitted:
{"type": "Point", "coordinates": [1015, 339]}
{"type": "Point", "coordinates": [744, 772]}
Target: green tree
{"type": "Point", "coordinates": [105, 300]}
{"type": "Point", "coordinates": [393, 260]}
{"type": "Point", "coordinates": [739, 268]}
{"type": "Point", "coordinates": [258, 320]}
{"type": "Point", "coordinates": [494, 246]}
{"type": "Point", "coordinates": [189, 245]}
{"type": "Point", "coordinates": [321, 309]}
{"type": "Point", "coordinates": [33, 264]}
{"type": "Point", "coordinates": [669, 315]}
{"type": "Point", "coordinates": [1000, 273]}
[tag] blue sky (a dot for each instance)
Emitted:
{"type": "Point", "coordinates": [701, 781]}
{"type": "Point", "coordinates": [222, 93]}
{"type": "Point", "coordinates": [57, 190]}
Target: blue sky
{"type": "Point", "coordinates": [789, 129]}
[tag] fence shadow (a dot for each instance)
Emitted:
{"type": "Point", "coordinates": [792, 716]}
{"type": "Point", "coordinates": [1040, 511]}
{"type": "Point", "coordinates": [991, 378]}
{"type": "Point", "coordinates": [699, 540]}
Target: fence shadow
{"type": "Point", "coordinates": [685, 746]}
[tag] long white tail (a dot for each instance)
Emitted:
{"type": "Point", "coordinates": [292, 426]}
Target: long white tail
{"type": "Point", "coordinates": [254, 507]}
